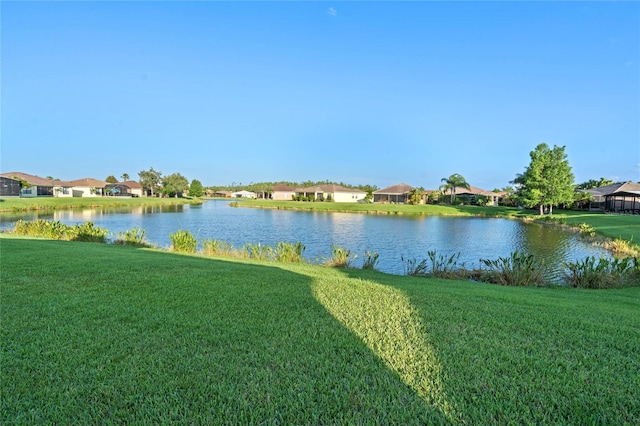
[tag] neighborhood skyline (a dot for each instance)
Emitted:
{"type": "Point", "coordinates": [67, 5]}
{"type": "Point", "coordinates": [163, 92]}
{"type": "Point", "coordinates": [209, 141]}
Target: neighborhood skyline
{"type": "Point", "coordinates": [358, 92]}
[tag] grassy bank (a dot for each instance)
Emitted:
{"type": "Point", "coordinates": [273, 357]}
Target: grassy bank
{"type": "Point", "coordinates": [152, 337]}
{"type": "Point", "coordinates": [56, 203]}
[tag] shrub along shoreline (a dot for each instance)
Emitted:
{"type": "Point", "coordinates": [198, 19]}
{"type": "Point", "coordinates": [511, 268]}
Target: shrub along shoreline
{"type": "Point", "coordinates": [518, 269]}
{"type": "Point", "coordinates": [150, 336]}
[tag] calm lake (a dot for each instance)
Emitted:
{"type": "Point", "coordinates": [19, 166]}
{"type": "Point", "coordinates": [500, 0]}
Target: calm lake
{"type": "Point", "coordinates": [393, 237]}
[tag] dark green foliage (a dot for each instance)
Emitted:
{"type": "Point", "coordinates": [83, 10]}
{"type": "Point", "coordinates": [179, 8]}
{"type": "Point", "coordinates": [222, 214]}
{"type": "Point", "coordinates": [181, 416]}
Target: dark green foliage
{"type": "Point", "coordinates": [547, 181]}
{"type": "Point", "coordinates": [183, 242]}
{"type": "Point", "coordinates": [150, 180]}
{"type": "Point", "coordinates": [133, 237]}
{"type": "Point", "coordinates": [196, 189]}
{"type": "Point", "coordinates": [340, 257]}
{"type": "Point", "coordinates": [602, 273]}
{"type": "Point", "coordinates": [519, 269]}
{"type": "Point", "coordinates": [59, 231]}
{"type": "Point", "coordinates": [111, 179]}
{"type": "Point", "coordinates": [174, 185]}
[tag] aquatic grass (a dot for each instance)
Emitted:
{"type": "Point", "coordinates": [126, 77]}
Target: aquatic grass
{"type": "Point", "coordinates": [56, 230]}
{"type": "Point", "coordinates": [183, 242]}
{"type": "Point", "coordinates": [136, 237]}
{"type": "Point", "coordinates": [340, 257]}
{"type": "Point", "coordinates": [289, 252]}
{"type": "Point", "coordinates": [592, 273]}
{"type": "Point", "coordinates": [218, 248]}
{"type": "Point", "coordinates": [163, 338]}
{"type": "Point", "coordinates": [519, 269]}
{"type": "Point", "coordinates": [414, 267]}
{"type": "Point", "coordinates": [369, 260]}
{"type": "Point", "coordinates": [259, 251]}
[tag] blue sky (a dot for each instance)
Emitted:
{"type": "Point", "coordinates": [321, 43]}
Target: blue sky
{"type": "Point", "coordinates": [360, 92]}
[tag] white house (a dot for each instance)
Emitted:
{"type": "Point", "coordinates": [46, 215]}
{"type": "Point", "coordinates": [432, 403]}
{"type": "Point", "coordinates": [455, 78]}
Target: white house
{"type": "Point", "coordinates": [243, 194]}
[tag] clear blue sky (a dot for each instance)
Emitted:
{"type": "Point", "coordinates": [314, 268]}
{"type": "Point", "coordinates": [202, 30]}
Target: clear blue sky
{"type": "Point", "coordinates": [360, 92]}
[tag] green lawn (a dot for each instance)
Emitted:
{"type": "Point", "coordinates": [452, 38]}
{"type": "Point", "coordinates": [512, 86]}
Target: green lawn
{"type": "Point", "coordinates": [98, 333]}
{"type": "Point", "coordinates": [57, 203]}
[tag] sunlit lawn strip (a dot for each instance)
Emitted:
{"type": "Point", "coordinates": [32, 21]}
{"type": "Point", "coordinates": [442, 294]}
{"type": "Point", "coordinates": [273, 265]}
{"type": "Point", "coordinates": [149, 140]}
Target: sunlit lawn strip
{"type": "Point", "coordinates": [95, 333]}
{"type": "Point", "coordinates": [59, 203]}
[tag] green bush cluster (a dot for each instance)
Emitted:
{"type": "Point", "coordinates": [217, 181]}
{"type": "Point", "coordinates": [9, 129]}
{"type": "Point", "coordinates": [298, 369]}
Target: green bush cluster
{"type": "Point", "coordinates": [133, 237]}
{"type": "Point", "coordinates": [183, 242]}
{"type": "Point", "coordinates": [603, 273]}
{"type": "Point", "coordinates": [340, 257]}
{"type": "Point", "coordinates": [57, 230]}
{"type": "Point", "coordinates": [519, 269]}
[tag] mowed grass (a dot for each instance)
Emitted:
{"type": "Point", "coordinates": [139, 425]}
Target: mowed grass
{"type": "Point", "coordinates": [97, 333]}
{"type": "Point", "coordinates": [60, 203]}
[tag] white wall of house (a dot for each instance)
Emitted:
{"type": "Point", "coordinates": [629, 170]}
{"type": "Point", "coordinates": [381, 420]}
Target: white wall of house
{"type": "Point", "coordinates": [347, 197]}
{"type": "Point", "coordinates": [84, 191]}
{"type": "Point", "coordinates": [62, 192]}
{"type": "Point", "coordinates": [29, 192]}
{"type": "Point", "coordinates": [137, 191]}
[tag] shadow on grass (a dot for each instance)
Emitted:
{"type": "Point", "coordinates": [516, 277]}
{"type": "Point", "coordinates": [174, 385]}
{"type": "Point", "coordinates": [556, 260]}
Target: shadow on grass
{"type": "Point", "coordinates": [99, 332]}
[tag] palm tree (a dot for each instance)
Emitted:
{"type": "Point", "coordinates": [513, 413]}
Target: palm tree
{"type": "Point", "coordinates": [452, 182]}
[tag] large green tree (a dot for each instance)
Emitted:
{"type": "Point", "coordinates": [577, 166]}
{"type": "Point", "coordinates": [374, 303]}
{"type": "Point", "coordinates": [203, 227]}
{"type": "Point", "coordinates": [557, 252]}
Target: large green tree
{"type": "Point", "coordinates": [150, 179]}
{"type": "Point", "coordinates": [175, 184]}
{"type": "Point", "coordinates": [125, 177]}
{"type": "Point", "coordinates": [111, 179]}
{"type": "Point", "coordinates": [548, 180]}
{"type": "Point", "coordinates": [452, 182]}
{"type": "Point", "coordinates": [592, 183]}
{"type": "Point", "coordinates": [196, 189]}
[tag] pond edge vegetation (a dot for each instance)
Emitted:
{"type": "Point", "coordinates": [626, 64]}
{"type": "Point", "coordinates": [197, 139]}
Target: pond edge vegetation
{"type": "Point", "coordinates": [518, 269]}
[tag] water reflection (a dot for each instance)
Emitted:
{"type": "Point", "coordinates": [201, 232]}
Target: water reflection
{"type": "Point", "coordinates": [393, 237]}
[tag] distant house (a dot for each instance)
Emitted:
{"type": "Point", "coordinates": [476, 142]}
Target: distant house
{"type": "Point", "coordinates": [243, 194]}
{"type": "Point", "coordinates": [283, 192]}
{"type": "Point", "coordinates": [9, 187]}
{"type": "Point", "coordinates": [38, 186]}
{"type": "Point", "coordinates": [395, 194]}
{"type": "Point", "coordinates": [331, 192]}
{"type": "Point", "coordinates": [219, 194]}
{"type": "Point", "coordinates": [135, 187]}
{"type": "Point", "coordinates": [616, 198]}
{"type": "Point", "coordinates": [87, 187]}
{"type": "Point", "coordinates": [473, 192]}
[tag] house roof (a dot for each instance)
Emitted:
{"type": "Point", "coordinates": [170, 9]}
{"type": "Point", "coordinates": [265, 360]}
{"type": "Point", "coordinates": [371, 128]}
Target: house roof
{"type": "Point", "coordinates": [31, 179]}
{"type": "Point", "coordinates": [401, 188]}
{"type": "Point", "coordinates": [332, 187]}
{"type": "Point", "coordinates": [132, 184]}
{"type": "Point", "coordinates": [614, 188]}
{"type": "Point", "coordinates": [95, 183]}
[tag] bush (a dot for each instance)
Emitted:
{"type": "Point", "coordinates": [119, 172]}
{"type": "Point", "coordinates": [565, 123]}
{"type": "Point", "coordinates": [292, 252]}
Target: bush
{"type": "Point", "coordinates": [133, 237]}
{"type": "Point", "coordinates": [603, 273]}
{"type": "Point", "coordinates": [519, 269]}
{"type": "Point", "coordinates": [218, 248]}
{"type": "Point", "coordinates": [446, 267]}
{"type": "Point", "coordinates": [287, 252]}
{"type": "Point", "coordinates": [59, 231]}
{"type": "Point", "coordinates": [183, 242]}
{"type": "Point", "coordinates": [258, 251]}
{"type": "Point", "coordinates": [369, 260]}
{"type": "Point", "coordinates": [414, 268]}
{"type": "Point", "coordinates": [88, 232]}
{"type": "Point", "coordinates": [340, 257]}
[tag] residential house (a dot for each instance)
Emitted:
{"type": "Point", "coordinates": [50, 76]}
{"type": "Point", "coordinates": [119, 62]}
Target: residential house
{"type": "Point", "coordinates": [243, 194]}
{"type": "Point", "coordinates": [135, 188]}
{"type": "Point", "coordinates": [331, 192]}
{"type": "Point", "coordinates": [87, 187]}
{"type": "Point", "coordinates": [38, 186]}
{"type": "Point", "coordinates": [473, 192]}
{"type": "Point", "coordinates": [393, 194]}
{"type": "Point", "coordinates": [218, 194]}
{"type": "Point", "coordinates": [621, 197]}
{"type": "Point", "coordinates": [9, 187]}
{"type": "Point", "coordinates": [283, 192]}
